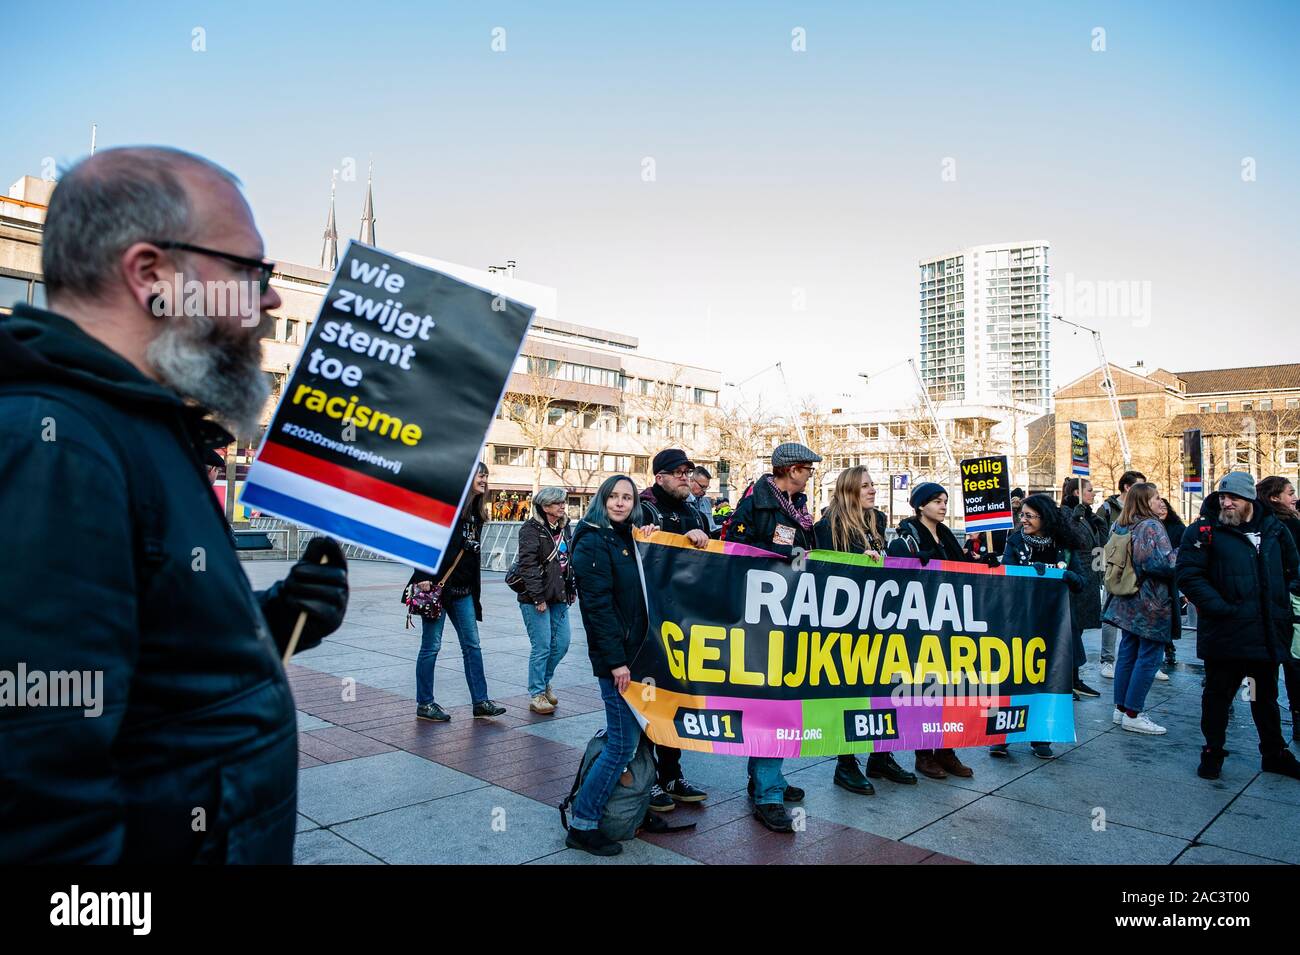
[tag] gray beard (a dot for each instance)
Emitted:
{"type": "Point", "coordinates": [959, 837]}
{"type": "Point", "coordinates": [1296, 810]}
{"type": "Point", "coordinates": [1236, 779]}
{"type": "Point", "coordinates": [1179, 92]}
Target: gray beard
{"type": "Point", "coordinates": [1231, 518]}
{"type": "Point", "coordinates": [221, 370]}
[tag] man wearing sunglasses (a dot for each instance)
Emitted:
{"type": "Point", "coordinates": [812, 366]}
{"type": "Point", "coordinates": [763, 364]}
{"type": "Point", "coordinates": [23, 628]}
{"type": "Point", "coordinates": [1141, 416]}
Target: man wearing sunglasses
{"type": "Point", "coordinates": [665, 506]}
{"type": "Point", "coordinates": [122, 568]}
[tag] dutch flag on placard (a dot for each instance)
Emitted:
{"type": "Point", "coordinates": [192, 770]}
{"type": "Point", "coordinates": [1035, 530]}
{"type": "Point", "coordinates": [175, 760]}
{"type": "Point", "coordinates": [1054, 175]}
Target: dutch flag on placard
{"type": "Point", "coordinates": [382, 517]}
{"type": "Point", "coordinates": [992, 521]}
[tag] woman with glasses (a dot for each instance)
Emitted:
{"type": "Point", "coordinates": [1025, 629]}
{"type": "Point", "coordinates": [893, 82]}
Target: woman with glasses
{"type": "Point", "coordinates": [544, 568]}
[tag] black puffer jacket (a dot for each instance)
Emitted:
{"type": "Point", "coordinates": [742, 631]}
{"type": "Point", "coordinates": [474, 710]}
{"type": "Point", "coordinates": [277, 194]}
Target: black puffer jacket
{"type": "Point", "coordinates": [915, 540]}
{"type": "Point", "coordinates": [760, 521]}
{"type": "Point", "coordinates": [609, 594]}
{"type": "Point", "coordinates": [545, 565]}
{"type": "Point", "coordinates": [196, 710]}
{"type": "Point", "coordinates": [1241, 593]}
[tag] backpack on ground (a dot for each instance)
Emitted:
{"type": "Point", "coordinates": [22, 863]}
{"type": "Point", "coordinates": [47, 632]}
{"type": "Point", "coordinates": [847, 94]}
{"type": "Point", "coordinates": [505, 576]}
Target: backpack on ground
{"type": "Point", "coordinates": [1120, 577]}
{"type": "Point", "coordinates": [629, 803]}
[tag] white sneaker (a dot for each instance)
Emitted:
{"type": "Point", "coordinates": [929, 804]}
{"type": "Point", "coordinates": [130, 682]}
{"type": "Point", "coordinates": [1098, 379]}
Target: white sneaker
{"type": "Point", "coordinates": [1117, 716]}
{"type": "Point", "coordinates": [1108, 671]}
{"type": "Point", "coordinates": [1141, 724]}
{"type": "Point", "coordinates": [1162, 675]}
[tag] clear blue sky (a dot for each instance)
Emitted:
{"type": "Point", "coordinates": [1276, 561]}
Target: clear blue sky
{"type": "Point", "coordinates": [775, 170]}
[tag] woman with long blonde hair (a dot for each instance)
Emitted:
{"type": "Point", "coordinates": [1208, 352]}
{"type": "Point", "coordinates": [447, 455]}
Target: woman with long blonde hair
{"type": "Point", "coordinates": [851, 524]}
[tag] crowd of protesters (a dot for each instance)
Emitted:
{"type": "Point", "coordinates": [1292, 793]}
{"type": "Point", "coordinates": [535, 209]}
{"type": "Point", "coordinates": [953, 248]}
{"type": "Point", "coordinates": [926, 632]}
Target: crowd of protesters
{"type": "Point", "coordinates": [209, 692]}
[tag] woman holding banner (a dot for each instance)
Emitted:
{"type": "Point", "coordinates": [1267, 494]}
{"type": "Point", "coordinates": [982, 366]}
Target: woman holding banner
{"type": "Point", "coordinates": [614, 615]}
{"type": "Point", "coordinates": [775, 517]}
{"type": "Point", "coordinates": [852, 525]}
{"type": "Point", "coordinates": [927, 537]}
{"type": "Point", "coordinates": [1044, 539]}
{"type": "Point", "coordinates": [462, 590]}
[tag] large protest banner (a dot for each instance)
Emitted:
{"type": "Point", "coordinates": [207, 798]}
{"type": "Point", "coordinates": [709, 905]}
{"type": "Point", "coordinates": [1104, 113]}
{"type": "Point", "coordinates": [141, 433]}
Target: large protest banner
{"type": "Point", "coordinates": [748, 654]}
{"type": "Point", "coordinates": [986, 494]}
{"type": "Point", "coordinates": [379, 428]}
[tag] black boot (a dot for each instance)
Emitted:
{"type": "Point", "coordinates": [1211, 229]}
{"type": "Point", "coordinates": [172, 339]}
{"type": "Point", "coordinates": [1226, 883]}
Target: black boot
{"type": "Point", "coordinates": [1283, 763]}
{"type": "Point", "coordinates": [1211, 763]}
{"type": "Point", "coordinates": [848, 775]}
{"type": "Point", "coordinates": [884, 766]}
{"type": "Point", "coordinates": [775, 817]}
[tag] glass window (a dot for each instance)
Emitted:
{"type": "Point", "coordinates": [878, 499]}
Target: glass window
{"type": "Point", "coordinates": [1265, 404]}
{"type": "Point", "coordinates": [504, 454]}
{"type": "Point", "coordinates": [38, 294]}
{"type": "Point", "coordinates": [1221, 406]}
{"type": "Point", "coordinates": [13, 291]}
{"type": "Point", "coordinates": [1128, 408]}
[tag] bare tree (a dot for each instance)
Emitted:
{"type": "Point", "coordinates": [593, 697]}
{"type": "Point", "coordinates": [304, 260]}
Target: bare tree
{"type": "Point", "coordinates": [743, 434]}
{"type": "Point", "coordinates": [544, 409]}
{"type": "Point", "coordinates": [654, 417]}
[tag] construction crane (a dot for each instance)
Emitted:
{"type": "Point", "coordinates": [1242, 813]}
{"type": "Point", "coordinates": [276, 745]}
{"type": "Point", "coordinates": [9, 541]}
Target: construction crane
{"type": "Point", "coordinates": [1108, 384]}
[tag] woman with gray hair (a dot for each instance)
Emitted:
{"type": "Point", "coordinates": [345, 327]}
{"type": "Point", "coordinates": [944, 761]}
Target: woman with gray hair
{"type": "Point", "coordinates": [545, 587]}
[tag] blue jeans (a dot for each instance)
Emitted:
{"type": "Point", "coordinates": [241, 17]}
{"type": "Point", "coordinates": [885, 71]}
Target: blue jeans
{"type": "Point", "coordinates": [769, 784]}
{"type": "Point", "coordinates": [1136, 662]}
{"type": "Point", "coordinates": [622, 735]}
{"type": "Point", "coordinates": [461, 612]}
{"type": "Point", "coordinates": [549, 634]}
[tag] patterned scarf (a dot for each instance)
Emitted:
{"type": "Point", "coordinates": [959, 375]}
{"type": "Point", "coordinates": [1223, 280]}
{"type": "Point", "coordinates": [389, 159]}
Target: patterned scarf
{"type": "Point", "coordinates": [799, 514]}
{"type": "Point", "coordinates": [1035, 541]}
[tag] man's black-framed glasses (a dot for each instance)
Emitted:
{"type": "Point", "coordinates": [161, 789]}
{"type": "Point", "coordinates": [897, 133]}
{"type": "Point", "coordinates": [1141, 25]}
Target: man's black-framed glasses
{"type": "Point", "coordinates": [263, 267]}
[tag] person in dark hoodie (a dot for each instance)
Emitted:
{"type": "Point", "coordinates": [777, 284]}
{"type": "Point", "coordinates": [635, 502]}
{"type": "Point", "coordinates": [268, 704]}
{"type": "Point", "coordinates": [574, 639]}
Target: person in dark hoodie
{"type": "Point", "coordinates": [927, 537]}
{"type": "Point", "coordinates": [462, 602]}
{"type": "Point", "coordinates": [1240, 566]}
{"type": "Point", "coordinates": [1280, 496]}
{"type": "Point", "coordinates": [667, 506]}
{"type": "Point", "coordinates": [774, 516]}
{"type": "Point", "coordinates": [122, 564]}
{"type": "Point", "coordinates": [1045, 539]}
{"type": "Point", "coordinates": [851, 524]}
{"type": "Point", "coordinates": [615, 618]}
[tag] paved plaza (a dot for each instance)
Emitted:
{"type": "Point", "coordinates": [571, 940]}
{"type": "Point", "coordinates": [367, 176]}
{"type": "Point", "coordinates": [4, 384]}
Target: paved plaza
{"type": "Point", "coordinates": [378, 786]}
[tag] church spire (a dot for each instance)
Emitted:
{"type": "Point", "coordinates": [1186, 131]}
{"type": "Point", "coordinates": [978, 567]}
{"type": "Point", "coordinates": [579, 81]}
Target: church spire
{"type": "Point", "coordinates": [329, 253]}
{"type": "Point", "coordinates": [368, 210]}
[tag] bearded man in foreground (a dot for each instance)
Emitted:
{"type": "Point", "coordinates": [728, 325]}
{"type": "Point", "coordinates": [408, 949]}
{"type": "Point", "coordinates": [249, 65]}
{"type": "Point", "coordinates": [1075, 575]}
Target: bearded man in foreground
{"type": "Point", "coordinates": [144, 712]}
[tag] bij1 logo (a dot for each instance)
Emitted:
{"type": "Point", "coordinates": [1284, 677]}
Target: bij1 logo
{"type": "Point", "coordinates": [1007, 719]}
{"type": "Point", "coordinates": [862, 725]}
{"type": "Point", "coordinates": [722, 725]}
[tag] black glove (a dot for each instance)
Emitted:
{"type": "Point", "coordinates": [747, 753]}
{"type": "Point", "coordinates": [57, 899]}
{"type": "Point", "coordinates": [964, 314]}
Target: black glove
{"type": "Point", "coordinates": [319, 589]}
{"type": "Point", "coordinates": [992, 560]}
{"type": "Point", "coordinates": [1039, 567]}
{"type": "Point", "coordinates": [1073, 581]}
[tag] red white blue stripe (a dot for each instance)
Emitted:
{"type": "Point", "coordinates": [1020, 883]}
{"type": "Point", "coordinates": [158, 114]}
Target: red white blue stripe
{"type": "Point", "coordinates": [992, 521]}
{"type": "Point", "coordinates": [374, 514]}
